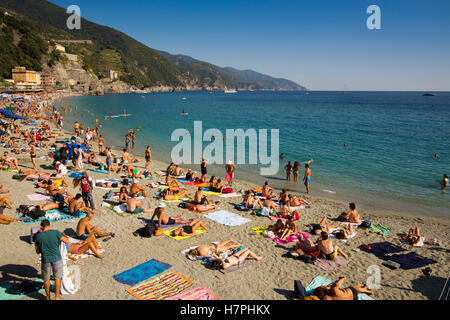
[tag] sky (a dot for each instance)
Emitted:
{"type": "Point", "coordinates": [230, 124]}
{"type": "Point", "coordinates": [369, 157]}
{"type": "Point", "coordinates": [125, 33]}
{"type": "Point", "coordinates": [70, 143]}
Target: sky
{"type": "Point", "coordinates": [320, 44]}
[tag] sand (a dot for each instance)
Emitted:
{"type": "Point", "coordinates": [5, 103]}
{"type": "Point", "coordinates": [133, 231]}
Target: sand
{"type": "Point", "coordinates": [269, 279]}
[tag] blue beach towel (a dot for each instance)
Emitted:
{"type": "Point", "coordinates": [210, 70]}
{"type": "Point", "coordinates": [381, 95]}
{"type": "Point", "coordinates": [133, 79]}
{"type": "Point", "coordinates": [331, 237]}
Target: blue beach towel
{"type": "Point", "coordinates": [141, 272]}
{"type": "Point", "coordinates": [322, 281]}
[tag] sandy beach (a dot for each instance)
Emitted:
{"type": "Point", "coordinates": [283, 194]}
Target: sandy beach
{"type": "Point", "coordinates": [269, 279]}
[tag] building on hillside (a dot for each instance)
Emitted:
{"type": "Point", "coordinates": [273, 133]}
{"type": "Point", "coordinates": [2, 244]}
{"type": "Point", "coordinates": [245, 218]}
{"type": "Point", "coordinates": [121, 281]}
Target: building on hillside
{"type": "Point", "coordinates": [113, 75]}
{"type": "Point", "coordinates": [48, 80]}
{"type": "Point", "coordinates": [24, 78]}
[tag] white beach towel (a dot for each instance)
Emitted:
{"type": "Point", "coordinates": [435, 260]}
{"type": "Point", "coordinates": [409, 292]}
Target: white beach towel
{"type": "Point", "coordinates": [120, 208]}
{"type": "Point", "coordinates": [223, 255]}
{"type": "Point", "coordinates": [227, 218]}
{"type": "Point", "coordinates": [67, 285]}
{"type": "Point", "coordinates": [331, 235]}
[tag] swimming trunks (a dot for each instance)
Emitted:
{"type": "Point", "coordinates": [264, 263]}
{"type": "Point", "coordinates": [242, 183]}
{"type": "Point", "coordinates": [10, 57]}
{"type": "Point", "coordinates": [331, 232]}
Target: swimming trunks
{"type": "Point", "coordinates": [171, 221]}
{"type": "Point", "coordinates": [308, 179]}
{"type": "Point", "coordinates": [331, 256]}
{"type": "Point", "coordinates": [138, 210]}
{"type": "Point", "coordinates": [188, 229]}
{"type": "Point", "coordinates": [355, 293]}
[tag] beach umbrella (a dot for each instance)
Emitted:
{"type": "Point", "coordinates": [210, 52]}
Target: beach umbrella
{"type": "Point", "coordinates": [9, 114]}
{"type": "Point", "coordinates": [75, 145]}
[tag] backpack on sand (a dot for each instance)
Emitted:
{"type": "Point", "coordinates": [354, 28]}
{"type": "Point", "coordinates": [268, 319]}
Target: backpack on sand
{"type": "Point", "coordinates": [148, 231]}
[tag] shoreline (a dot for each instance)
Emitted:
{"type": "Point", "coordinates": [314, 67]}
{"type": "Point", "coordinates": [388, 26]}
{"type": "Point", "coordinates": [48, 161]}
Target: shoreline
{"type": "Point", "coordinates": [126, 251]}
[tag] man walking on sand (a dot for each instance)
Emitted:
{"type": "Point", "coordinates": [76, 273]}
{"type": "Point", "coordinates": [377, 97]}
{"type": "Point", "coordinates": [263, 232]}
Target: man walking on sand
{"type": "Point", "coordinates": [47, 244]}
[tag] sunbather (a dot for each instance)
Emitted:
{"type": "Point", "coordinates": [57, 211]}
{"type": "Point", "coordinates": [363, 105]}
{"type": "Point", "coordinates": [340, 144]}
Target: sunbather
{"type": "Point", "coordinates": [89, 244]}
{"type": "Point", "coordinates": [5, 220]}
{"type": "Point", "coordinates": [85, 229]}
{"type": "Point", "coordinates": [266, 191]}
{"type": "Point", "coordinates": [290, 228]}
{"type": "Point", "coordinates": [204, 207]}
{"type": "Point", "coordinates": [123, 195]}
{"type": "Point", "coordinates": [303, 246]}
{"type": "Point", "coordinates": [278, 228]}
{"type": "Point", "coordinates": [135, 206]}
{"type": "Point", "coordinates": [325, 245]}
{"type": "Point", "coordinates": [200, 197]}
{"type": "Point", "coordinates": [163, 217]}
{"type": "Point", "coordinates": [294, 202]}
{"type": "Point", "coordinates": [352, 216]}
{"type": "Point", "coordinates": [188, 229]}
{"type": "Point", "coordinates": [76, 206]}
{"type": "Point", "coordinates": [345, 229]}
{"type": "Point", "coordinates": [334, 291]}
{"type": "Point", "coordinates": [135, 188]}
{"type": "Point", "coordinates": [249, 200]}
{"type": "Point", "coordinates": [237, 258]}
{"type": "Point", "coordinates": [212, 249]}
{"type": "Point", "coordinates": [413, 236]}
{"type": "Point", "coordinates": [174, 195]}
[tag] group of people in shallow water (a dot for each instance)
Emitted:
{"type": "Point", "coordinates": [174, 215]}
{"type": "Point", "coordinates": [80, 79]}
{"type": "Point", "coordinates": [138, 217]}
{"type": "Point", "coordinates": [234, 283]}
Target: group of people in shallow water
{"type": "Point", "coordinates": [294, 170]}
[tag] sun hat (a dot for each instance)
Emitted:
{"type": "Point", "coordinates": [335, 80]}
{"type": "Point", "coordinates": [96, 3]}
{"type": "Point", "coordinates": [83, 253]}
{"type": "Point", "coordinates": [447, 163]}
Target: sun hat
{"type": "Point", "coordinates": [162, 205]}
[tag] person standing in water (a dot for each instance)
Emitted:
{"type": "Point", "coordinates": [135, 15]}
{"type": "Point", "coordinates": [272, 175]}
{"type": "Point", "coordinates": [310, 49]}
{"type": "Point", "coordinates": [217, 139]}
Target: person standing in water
{"type": "Point", "coordinates": [444, 181]}
{"type": "Point", "coordinates": [307, 177]}
{"type": "Point", "coordinates": [296, 170]}
{"type": "Point", "coordinates": [288, 169]}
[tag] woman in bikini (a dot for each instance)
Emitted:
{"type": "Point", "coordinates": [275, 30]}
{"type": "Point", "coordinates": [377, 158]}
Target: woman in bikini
{"type": "Point", "coordinates": [148, 157]}
{"type": "Point", "coordinates": [188, 229]}
{"type": "Point", "coordinates": [123, 195]}
{"type": "Point", "coordinates": [213, 249]}
{"type": "Point", "coordinates": [290, 228]}
{"type": "Point", "coordinates": [89, 244]}
{"type": "Point", "coordinates": [296, 170]}
{"type": "Point", "coordinates": [238, 257]}
{"type": "Point", "coordinates": [289, 168]}
{"type": "Point", "coordinates": [413, 236]}
{"type": "Point", "coordinates": [33, 155]}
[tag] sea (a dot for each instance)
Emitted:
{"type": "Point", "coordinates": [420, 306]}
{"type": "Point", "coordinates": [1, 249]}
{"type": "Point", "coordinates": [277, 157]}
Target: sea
{"type": "Point", "coordinates": [372, 148]}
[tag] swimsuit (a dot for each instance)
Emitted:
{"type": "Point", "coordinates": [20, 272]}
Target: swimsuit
{"type": "Point", "coordinates": [171, 221]}
{"type": "Point", "coordinates": [138, 210]}
{"type": "Point", "coordinates": [331, 256]}
{"type": "Point", "coordinates": [355, 293]}
{"type": "Point", "coordinates": [188, 229]}
{"type": "Point", "coordinates": [308, 179]}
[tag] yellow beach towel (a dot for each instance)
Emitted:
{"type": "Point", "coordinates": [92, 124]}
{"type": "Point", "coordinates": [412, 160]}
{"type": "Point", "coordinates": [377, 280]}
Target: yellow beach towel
{"type": "Point", "coordinates": [169, 233]}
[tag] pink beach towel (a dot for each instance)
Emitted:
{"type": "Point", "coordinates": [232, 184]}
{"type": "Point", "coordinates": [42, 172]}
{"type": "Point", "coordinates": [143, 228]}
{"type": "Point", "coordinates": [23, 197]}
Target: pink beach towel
{"type": "Point", "coordinates": [201, 293]}
{"type": "Point", "coordinates": [290, 238]}
{"type": "Point", "coordinates": [229, 195]}
{"type": "Point", "coordinates": [38, 197]}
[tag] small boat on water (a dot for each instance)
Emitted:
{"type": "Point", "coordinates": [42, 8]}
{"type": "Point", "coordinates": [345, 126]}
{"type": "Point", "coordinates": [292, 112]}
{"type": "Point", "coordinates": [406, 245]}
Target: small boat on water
{"type": "Point", "coordinates": [230, 90]}
{"type": "Point", "coordinates": [184, 98]}
{"type": "Point", "coordinates": [428, 94]}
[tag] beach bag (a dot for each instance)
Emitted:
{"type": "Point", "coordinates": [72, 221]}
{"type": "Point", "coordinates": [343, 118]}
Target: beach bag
{"type": "Point", "coordinates": [299, 289]}
{"type": "Point", "coordinates": [148, 231]}
{"type": "Point", "coordinates": [365, 224]}
{"type": "Point", "coordinates": [184, 205]}
{"type": "Point", "coordinates": [227, 190]}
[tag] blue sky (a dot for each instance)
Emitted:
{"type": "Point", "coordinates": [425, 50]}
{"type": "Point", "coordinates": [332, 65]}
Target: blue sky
{"type": "Point", "coordinates": [321, 44]}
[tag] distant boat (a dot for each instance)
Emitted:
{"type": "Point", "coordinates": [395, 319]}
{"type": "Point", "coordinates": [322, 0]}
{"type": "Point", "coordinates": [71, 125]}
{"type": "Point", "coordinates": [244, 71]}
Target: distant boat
{"type": "Point", "coordinates": [230, 91]}
{"type": "Point", "coordinates": [184, 113]}
{"type": "Point", "coordinates": [345, 92]}
{"type": "Point", "coordinates": [184, 98]}
{"type": "Point", "coordinates": [428, 94]}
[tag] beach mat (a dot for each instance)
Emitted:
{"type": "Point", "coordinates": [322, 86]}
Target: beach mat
{"type": "Point", "coordinates": [243, 265]}
{"type": "Point", "coordinates": [52, 216]}
{"type": "Point", "coordinates": [4, 295]}
{"type": "Point", "coordinates": [38, 197]}
{"type": "Point", "coordinates": [163, 226]}
{"type": "Point", "coordinates": [161, 287]}
{"type": "Point", "coordinates": [169, 233]}
{"type": "Point", "coordinates": [200, 293]}
{"type": "Point", "coordinates": [322, 281]}
{"type": "Point", "coordinates": [331, 265]}
{"type": "Point", "coordinates": [410, 260]}
{"type": "Point", "coordinates": [380, 249]}
{"type": "Point", "coordinates": [227, 218]}
{"type": "Point", "coordinates": [380, 229]}
{"type": "Point", "coordinates": [141, 272]}
{"type": "Point", "coordinates": [230, 195]}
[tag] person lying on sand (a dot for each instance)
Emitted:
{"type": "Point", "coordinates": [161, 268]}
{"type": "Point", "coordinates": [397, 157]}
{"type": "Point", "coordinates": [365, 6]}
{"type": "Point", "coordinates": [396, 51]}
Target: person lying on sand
{"type": "Point", "coordinates": [269, 204]}
{"type": "Point", "coordinates": [85, 229]}
{"type": "Point", "coordinates": [249, 200]}
{"type": "Point", "coordinates": [290, 228]}
{"type": "Point", "coordinates": [168, 195]}
{"type": "Point", "coordinates": [237, 258]}
{"type": "Point", "coordinates": [303, 247]}
{"type": "Point", "coordinates": [325, 245]}
{"type": "Point", "coordinates": [334, 291]}
{"type": "Point", "coordinates": [212, 249]}
{"type": "Point", "coordinates": [204, 207]}
{"type": "Point", "coordinates": [89, 244]}
{"type": "Point", "coordinates": [188, 229]}
{"type": "Point", "coordinates": [345, 228]}
{"type": "Point", "coordinates": [135, 188]}
{"type": "Point", "coordinates": [9, 161]}
{"type": "Point", "coordinates": [163, 217]}
{"type": "Point", "coordinates": [2, 191]}
{"type": "Point", "coordinates": [109, 185]}
{"type": "Point", "coordinates": [172, 183]}
{"type": "Point", "coordinates": [5, 220]}
{"type": "Point", "coordinates": [76, 206]}
{"type": "Point", "coordinates": [294, 202]}
{"type": "Point", "coordinates": [413, 236]}
{"type": "Point", "coordinates": [135, 206]}
{"type": "Point", "coordinates": [285, 211]}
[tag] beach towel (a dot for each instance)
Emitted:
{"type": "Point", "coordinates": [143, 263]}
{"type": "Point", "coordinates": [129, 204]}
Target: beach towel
{"type": "Point", "coordinates": [197, 184]}
{"type": "Point", "coordinates": [410, 260]}
{"type": "Point", "coordinates": [289, 239]}
{"type": "Point", "coordinates": [121, 210]}
{"type": "Point", "coordinates": [260, 230]}
{"type": "Point", "coordinates": [169, 233]}
{"type": "Point", "coordinates": [141, 272]}
{"type": "Point", "coordinates": [51, 215]}
{"type": "Point", "coordinates": [230, 195]}
{"type": "Point", "coordinates": [243, 265]}
{"type": "Point", "coordinates": [331, 235]}
{"type": "Point", "coordinates": [67, 285]}
{"type": "Point", "coordinates": [161, 287]}
{"type": "Point", "coordinates": [330, 265]}
{"type": "Point", "coordinates": [380, 229]}
{"type": "Point", "coordinates": [200, 293]}
{"type": "Point", "coordinates": [322, 281]}
{"type": "Point", "coordinates": [380, 249]}
{"type": "Point", "coordinates": [4, 295]}
{"type": "Point", "coordinates": [264, 213]}
{"type": "Point", "coordinates": [75, 174]}
{"type": "Point", "coordinates": [163, 226]}
{"type": "Point", "coordinates": [208, 191]}
{"type": "Point", "coordinates": [99, 171]}
{"type": "Point", "coordinates": [227, 218]}
{"type": "Point", "coordinates": [38, 197]}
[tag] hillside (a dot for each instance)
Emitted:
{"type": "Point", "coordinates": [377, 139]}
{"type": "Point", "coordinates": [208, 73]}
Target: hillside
{"type": "Point", "coordinates": [137, 64]}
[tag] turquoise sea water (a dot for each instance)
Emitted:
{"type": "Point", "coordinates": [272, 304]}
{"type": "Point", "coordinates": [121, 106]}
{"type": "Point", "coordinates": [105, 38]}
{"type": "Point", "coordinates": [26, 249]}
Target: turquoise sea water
{"type": "Point", "coordinates": [391, 137]}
